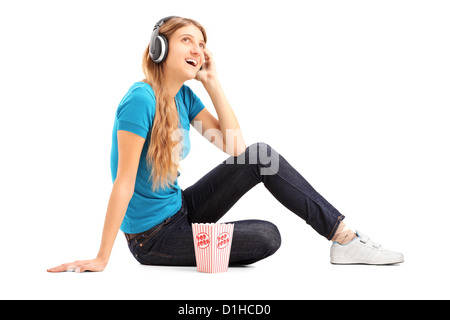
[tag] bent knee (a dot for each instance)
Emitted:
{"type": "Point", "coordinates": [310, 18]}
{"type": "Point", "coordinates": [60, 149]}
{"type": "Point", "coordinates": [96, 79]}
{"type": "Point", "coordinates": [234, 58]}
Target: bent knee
{"type": "Point", "coordinates": [259, 146]}
{"type": "Point", "coordinates": [265, 156]}
{"type": "Point", "coordinates": [261, 153]}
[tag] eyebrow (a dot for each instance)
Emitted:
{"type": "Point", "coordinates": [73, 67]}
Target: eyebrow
{"type": "Point", "coordinates": [190, 35]}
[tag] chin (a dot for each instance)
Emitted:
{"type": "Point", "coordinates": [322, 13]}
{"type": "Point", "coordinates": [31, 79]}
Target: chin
{"type": "Point", "coordinates": [191, 76]}
{"type": "Point", "coordinates": [190, 73]}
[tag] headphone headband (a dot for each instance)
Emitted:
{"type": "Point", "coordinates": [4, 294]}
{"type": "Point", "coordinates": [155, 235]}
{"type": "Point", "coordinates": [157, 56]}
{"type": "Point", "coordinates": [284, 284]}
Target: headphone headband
{"type": "Point", "coordinates": [161, 22]}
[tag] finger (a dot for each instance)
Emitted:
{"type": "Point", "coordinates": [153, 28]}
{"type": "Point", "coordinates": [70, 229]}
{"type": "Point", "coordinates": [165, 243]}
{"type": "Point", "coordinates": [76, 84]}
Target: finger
{"type": "Point", "coordinates": [80, 266]}
{"type": "Point", "coordinates": [206, 50]}
{"type": "Point", "coordinates": [60, 268]}
{"type": "Point", "coordinates": [71, 266]}
{"type": "Point", "coordinates": [208, 54]}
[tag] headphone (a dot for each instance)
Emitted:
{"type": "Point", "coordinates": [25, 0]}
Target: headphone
{"type": "Point", "coordinates": [159, 46]}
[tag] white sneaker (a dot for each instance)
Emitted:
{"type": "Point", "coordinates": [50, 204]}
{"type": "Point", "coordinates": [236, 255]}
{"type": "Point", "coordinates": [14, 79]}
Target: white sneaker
{"type": "Point", "coordinates": [363, 250]}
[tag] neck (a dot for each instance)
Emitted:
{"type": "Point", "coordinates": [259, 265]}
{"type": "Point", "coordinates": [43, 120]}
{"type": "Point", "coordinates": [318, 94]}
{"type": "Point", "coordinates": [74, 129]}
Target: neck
{"type": "Point", "coordinates": [172, 86]}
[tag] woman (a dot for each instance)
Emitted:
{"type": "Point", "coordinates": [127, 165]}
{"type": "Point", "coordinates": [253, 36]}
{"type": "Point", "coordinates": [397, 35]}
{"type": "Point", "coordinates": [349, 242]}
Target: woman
{"type": "Point", "coordinates": [151, 136]}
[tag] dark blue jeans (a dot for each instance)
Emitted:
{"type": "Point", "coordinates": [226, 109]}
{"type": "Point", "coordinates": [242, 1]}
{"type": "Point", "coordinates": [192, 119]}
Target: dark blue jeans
{"type": "Point", "coordinates": [171, 242]}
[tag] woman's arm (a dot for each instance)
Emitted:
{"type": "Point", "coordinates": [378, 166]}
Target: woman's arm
{"type": "Point", "coordinates": [130, 148]}
{"type": "Point", "coordinates": [228, 125]}
{"type": "Point", "coordinates": [117, 206]}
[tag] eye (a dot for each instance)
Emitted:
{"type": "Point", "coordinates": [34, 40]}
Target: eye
{"type": "Point", "coordinates": [202, 46]}
{"type": "Point", "coordinates": [186, 39]}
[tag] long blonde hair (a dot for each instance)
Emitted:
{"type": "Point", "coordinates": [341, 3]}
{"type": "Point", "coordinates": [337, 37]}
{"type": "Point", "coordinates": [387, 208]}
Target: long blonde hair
{"type": "Point", "coordinates": [159, 154]}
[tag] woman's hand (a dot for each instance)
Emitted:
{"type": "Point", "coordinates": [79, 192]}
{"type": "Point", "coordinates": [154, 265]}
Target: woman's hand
{"type": "Point", "coordinates": [208, 71]}
{"type": "Point", "coordinates": [81, 266]}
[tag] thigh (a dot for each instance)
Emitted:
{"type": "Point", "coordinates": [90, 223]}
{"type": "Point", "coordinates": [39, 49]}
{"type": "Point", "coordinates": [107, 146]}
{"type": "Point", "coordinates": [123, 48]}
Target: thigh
{"type": "Point", "coordinates": [216, 192]}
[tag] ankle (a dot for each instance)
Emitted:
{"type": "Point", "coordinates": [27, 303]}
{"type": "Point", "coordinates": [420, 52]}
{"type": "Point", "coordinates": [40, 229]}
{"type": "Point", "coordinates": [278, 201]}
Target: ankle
{"type": "Point", "coordinates": [343, 234]}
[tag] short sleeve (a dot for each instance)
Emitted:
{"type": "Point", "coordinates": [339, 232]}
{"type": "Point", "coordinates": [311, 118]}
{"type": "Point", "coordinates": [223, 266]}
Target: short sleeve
{"type": "Point", "coordinates": [194, 104]}
{"type": "Point", "coordinates": [136, 112]}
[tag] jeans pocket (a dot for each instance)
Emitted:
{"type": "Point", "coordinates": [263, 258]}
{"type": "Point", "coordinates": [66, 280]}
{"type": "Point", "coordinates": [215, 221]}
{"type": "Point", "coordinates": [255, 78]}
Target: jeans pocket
{"type": "Point", "coordinates": [146, 237]}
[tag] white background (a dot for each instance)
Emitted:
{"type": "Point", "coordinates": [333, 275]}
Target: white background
{"type": "Point", "coordinates": [354, 94]}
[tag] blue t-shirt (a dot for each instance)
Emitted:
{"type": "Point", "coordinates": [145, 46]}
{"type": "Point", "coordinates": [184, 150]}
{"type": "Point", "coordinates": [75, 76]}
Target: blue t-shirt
{"type": "Point", "coordinates": [135, 114]}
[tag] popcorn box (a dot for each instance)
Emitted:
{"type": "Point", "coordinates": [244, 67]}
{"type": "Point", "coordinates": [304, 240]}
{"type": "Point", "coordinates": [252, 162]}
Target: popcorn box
{"type": "Point", "coordinates": [212, 242]}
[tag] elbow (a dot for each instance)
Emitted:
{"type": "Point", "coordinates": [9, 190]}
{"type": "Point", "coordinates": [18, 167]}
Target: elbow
{"type": "Point", "coordinates": [124, 188]}
{"type": "Point", "coordinates": [239, 145]}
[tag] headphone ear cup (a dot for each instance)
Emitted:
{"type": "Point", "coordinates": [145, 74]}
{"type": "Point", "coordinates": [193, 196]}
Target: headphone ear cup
{"type": "Point", "coordinates": [165, 49]}
{"type": "Point", "coordinates": [160, 49]}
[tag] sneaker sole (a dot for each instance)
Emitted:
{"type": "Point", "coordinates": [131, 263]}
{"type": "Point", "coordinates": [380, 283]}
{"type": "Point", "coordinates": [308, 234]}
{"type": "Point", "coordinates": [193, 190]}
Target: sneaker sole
{"type": "Point", "coordinates": [344, 261]}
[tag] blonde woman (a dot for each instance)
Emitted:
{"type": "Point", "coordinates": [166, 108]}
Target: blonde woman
{"type": "Point", "coordinates": [151, 136]}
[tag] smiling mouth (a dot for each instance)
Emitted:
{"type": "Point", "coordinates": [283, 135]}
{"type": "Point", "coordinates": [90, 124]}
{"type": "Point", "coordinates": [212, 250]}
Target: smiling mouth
{"type": "Point", "coordinates": [192, 62]}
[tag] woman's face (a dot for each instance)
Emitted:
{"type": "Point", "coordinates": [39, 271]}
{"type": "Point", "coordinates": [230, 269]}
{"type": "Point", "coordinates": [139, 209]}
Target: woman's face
{"type": "Point", "coordinates": [185, 55]}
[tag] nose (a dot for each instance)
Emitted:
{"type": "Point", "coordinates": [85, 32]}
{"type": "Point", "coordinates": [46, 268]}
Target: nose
{"type": "Point", "coordinates": [196, 49]}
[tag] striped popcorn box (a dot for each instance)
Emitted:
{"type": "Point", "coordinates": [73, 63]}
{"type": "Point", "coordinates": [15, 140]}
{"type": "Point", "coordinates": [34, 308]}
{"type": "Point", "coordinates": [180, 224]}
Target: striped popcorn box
{"type": "Point", "coordinates": [212, 242]}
